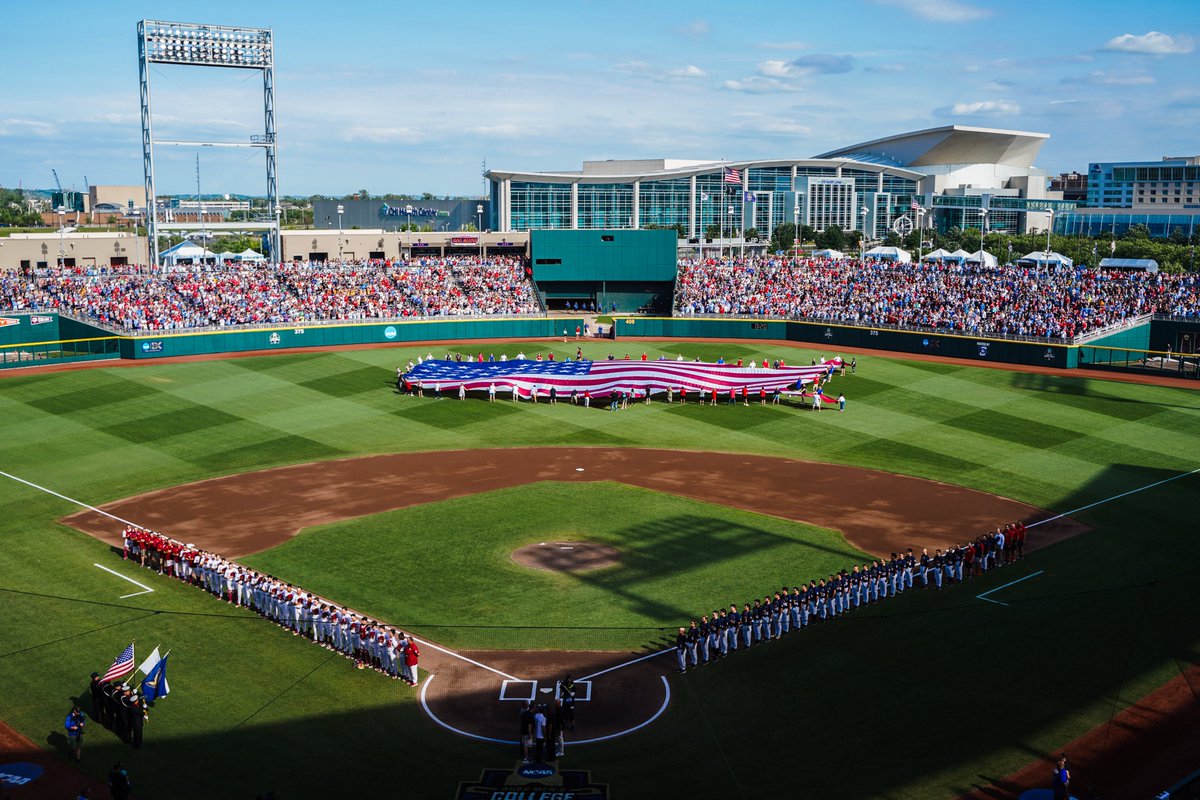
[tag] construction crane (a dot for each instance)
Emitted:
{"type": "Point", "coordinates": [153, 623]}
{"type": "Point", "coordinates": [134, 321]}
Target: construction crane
{"type": "Point", "coordinates": [58, 183]}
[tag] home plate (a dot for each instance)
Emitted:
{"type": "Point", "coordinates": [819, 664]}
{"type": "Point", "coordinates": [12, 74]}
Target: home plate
{"type": "Point", "coordinates": [579, 469]}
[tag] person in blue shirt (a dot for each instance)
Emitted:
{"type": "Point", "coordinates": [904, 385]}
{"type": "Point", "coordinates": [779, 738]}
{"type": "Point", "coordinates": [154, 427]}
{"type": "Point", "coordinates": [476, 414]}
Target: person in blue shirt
{"type": "Point", "coordinates": [74, 724]}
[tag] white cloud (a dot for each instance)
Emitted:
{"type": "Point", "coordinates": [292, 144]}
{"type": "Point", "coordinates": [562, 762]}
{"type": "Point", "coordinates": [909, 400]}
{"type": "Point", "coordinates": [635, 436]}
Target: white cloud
{"type": "Point", "coordinates": [1119, 79]}
{"type": "Point", "coordinates": [817, 63]}
{"type": "Point", "coordinates": [696, 29]}
{"type": "Point", "coordinates": [940, 10]}
{"type": "Point", "coordinates": [690, 71]}
{"type": "Point", "coordinates": [784, 45]}
{"type": "Point", "coordinates": [396, 135]}
{"type": "Point", "coordinates": [756, 84]}
{"type": "Point", "coordinates": [984, 107]}
{"type": "Point", "coordinates": [632, 66]}
{"type": "Point", "coordinates": [27, 127]}
{"type": "Point", "coordinates": [1152, 43]}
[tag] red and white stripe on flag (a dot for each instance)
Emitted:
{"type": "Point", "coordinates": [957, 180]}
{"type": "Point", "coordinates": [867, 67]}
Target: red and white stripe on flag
{"type": "Point", "coordinates": [733, 175]}
{"type": "Point", "coordinates": [122, 666]}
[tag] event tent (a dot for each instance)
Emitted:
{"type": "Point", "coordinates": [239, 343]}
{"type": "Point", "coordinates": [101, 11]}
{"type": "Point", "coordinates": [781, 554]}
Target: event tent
{"type": "Point", "coordinates": [981, 257]}
{"type": "Point", "coordinates": [249, 255]}
{"type": "Point", "coordinates": [1042, 258]}
{"type": "Point", "coordinates": [185, 251]}
{"type": "Point", "coordinates": [936, 255]}
{"type": "Point", "coordinates": [1140, 264]}
{"type": "Point", "coordinates": [889, 254]}
{"type": "Point", "coordinates": [829, 253]}
{"type": "Point", "coordinates": [959, 255]}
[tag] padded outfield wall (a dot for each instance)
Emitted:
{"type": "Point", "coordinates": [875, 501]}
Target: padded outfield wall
{"type": "Point", "coordinates": [833, 336]}
{"type": "Point", "coordinates": [185, 343]}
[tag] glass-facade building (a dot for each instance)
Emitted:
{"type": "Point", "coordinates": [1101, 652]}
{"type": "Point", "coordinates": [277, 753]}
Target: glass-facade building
{"type": "Point", "coordinates": [956, 176]}
{"type": "Point", "coordinates": [704, 199]}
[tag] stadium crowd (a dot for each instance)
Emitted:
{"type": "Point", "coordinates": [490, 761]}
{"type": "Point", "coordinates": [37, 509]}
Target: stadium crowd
{"type": "Point", "coordinates": [1052, 303]}
{"type": "Point", "coordinates": [367, 641]}
{"type": "Point", "coordinates": [135, 298]}
{"type": "Point", "coordinates": [781, 612]}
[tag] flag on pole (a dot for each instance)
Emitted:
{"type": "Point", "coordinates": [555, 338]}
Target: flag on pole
{"type": "Point", "coordinates": [149, 663]}
{"type": "Point", "coordinates": [748, 197]}
{"type": "Point", "coordinates": [122, 666]}
{"type": "Point", "coordinates": [1112, 247]}
{"type": "Point", "coordinates": [732, 175]}
{"type": "Point", "coordinates": [914, 205]}
{"type": "Point", "coordinates": [703, 197]}
{"type": "Point", "coordinates": [155, 685]}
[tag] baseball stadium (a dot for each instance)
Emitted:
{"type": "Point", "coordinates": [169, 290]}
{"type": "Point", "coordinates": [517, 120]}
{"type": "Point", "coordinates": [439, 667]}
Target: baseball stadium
{"type": "Point", "coordinates": [597, 515]}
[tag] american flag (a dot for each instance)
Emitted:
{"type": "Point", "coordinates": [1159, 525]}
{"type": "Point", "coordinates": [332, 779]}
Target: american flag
{"type": "Point", "coordinates": [733, 175]}
{"type": "Point", "coordinates": [603, 378]}
{"type": "Point", "coordinates": [122, 666]}
{"type": "Point", "coordinates": [914, 205]}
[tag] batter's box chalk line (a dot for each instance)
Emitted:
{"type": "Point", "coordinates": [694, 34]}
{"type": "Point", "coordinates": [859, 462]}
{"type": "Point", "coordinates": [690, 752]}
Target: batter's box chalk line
{"type": "Point", "coordinates": [518, 691]}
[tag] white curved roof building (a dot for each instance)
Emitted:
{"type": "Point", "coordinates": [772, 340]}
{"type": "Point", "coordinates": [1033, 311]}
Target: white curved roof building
{"type": "Point", "coordinates": [952, 171]}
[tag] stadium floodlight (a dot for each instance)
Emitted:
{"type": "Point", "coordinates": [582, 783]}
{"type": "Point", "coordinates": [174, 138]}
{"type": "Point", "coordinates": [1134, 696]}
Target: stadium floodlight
{"type": "Point", "coordinates": [225, 46]}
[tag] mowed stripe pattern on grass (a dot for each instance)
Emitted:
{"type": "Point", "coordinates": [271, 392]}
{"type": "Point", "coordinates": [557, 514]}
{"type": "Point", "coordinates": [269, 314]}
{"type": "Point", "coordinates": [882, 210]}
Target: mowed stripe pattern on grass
{"type": "Point", "coordinates": [109, 433]}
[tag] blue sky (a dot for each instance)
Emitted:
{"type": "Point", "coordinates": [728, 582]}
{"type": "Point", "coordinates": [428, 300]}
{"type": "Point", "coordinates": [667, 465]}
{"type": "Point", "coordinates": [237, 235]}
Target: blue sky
{"type": "Point", "coordinates": [413, 97]}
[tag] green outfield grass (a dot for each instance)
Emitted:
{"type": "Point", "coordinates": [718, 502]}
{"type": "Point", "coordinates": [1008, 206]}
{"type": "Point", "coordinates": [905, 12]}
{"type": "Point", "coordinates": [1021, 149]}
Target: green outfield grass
{"type": "Point", "coordinates": [938, 689]}
{"type": "Point", "coordinates": [679, 557]}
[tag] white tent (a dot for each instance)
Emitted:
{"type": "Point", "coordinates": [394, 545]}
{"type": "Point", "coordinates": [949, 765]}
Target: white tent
{"type": "Point", "coordinates": [227, 256]}
{"type": "Point", "coordinates": [936, 255]}
{"type": "Point", "coordinates": [959, 255]}
{"type": "Point", "coordinates": [249, 255]}
{"type": "Point", "coordinates": [186, 252]}
{"type": "Point", "coordinates": [1042, 258]}
{"type": "Point", "coordinates": [889, 254]}
{"type": "Point", "coordinates": [981, 257]}
{"type": "Point", "coordinates": [829, 253]}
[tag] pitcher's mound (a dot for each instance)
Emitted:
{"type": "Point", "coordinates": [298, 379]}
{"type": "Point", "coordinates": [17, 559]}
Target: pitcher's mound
{"type": "Point", "coordinates": [566, 556]}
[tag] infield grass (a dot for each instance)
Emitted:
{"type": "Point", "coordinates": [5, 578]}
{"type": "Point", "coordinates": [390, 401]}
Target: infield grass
{"type": "Point", "coordinates": [941, 691]}
{"type": "Point", "coordinates": [445, 569]}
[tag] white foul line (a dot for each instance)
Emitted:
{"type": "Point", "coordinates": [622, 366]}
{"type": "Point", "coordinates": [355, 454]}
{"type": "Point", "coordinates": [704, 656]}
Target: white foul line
{"type": "Point", "coordinates": [468, 660]}
{"type": "Point", "coordinates": [1114, 497]}
{"type": "Point", "coordinates": [428, 711]}
{"type": "Point", "coordinates": [125, 578]}
{"type": "Point", "coordinates": [984, 596]}
{"type": "Point", "coordinates": [69, 499]}
{"type": "Point", "coordinates": [626, 664]}
{"type": "Point", "coordinates": [148, 589]}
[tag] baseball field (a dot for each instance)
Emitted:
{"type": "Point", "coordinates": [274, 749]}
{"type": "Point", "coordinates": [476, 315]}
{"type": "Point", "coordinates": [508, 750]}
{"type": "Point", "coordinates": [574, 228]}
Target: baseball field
{"type": "Point", "coordinates": [310, 466]}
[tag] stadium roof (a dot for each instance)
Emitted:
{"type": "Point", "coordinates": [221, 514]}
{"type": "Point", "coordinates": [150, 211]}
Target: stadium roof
{"type": "Point", "coordinates": [950, 144]}
{"type": "Point", "coordinates": [665, 169]}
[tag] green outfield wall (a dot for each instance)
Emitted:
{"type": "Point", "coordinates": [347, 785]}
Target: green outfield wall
{"type": "Point", "coordinates": [279, 338]}
{"type": "Point", "coordinates": [832, 337]}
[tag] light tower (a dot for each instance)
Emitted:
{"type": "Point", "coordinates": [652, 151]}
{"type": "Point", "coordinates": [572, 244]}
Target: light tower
{"type": "Point", "coordinates": [195, 45]}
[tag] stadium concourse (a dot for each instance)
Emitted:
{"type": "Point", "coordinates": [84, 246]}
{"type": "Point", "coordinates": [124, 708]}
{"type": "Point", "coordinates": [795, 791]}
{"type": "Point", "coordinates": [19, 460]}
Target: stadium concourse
{"type": "Point", "coordinates": [1055, 303]}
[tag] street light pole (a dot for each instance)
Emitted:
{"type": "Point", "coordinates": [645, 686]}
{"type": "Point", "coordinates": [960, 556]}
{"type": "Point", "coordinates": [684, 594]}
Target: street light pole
{"type": "Point", "coordinates": [983, 212]}
{"type": "Point", "coordinates": [341, 261]}
{"type": "Point", "coordinates": [62, 252]}
{"type": "Point", "coordinates": [479, 229]}
{"type": "Point", "coordinates": [731, 231]}
{"type": "Point", "coordinates": [1049, 228]}
{"type": "Point", "coordinates": [862, 229]}
{"type": "Point", "coordinates": [408, 227]}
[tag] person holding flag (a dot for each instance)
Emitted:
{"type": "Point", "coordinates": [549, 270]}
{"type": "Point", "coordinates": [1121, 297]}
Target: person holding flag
{"type": "Point", "coordinates": [154, 685]}
{"type": "Point", "coordinates": [121, 667]}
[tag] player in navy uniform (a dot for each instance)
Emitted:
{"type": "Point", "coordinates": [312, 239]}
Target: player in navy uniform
{"type": "Point", "coordinates": [705, 637]}
{"type": "Point", "coordinates": [745, 626]}
{"type": "Point", "coordinates": [693, 643]}
{"type": "Point", "coordinates": [733, 620]}
{"type": "Point", "coordinates": [681, 649]}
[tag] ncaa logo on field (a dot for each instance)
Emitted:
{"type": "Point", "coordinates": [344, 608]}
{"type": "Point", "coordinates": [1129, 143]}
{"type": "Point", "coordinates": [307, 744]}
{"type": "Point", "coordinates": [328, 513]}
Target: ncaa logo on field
{"type": "Point", "coordinates": [389, 332]}
{"type": "Point", "coordinates": [19, 774]}
{"type": "Point", "coordinates": [274, 338]}
{"type": "Point", "coordinates": [535, 771]}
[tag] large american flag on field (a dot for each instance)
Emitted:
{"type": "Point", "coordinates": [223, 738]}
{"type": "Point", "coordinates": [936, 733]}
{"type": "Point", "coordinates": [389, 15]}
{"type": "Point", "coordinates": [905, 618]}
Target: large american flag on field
{"type": "Point", "coordinates": [122, 666]}
{"type": "Point", "coordinates": [602, 378]}
{"type": "Point", "coordinates": [733, 175]}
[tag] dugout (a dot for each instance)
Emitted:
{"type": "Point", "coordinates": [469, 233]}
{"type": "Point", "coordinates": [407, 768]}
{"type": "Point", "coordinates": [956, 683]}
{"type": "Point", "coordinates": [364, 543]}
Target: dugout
{"type": "Point", "coordinates": [631, 269]}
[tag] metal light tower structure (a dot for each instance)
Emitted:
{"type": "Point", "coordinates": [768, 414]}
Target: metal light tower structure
{"type": "Point", "coordinates": [195, 45]}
